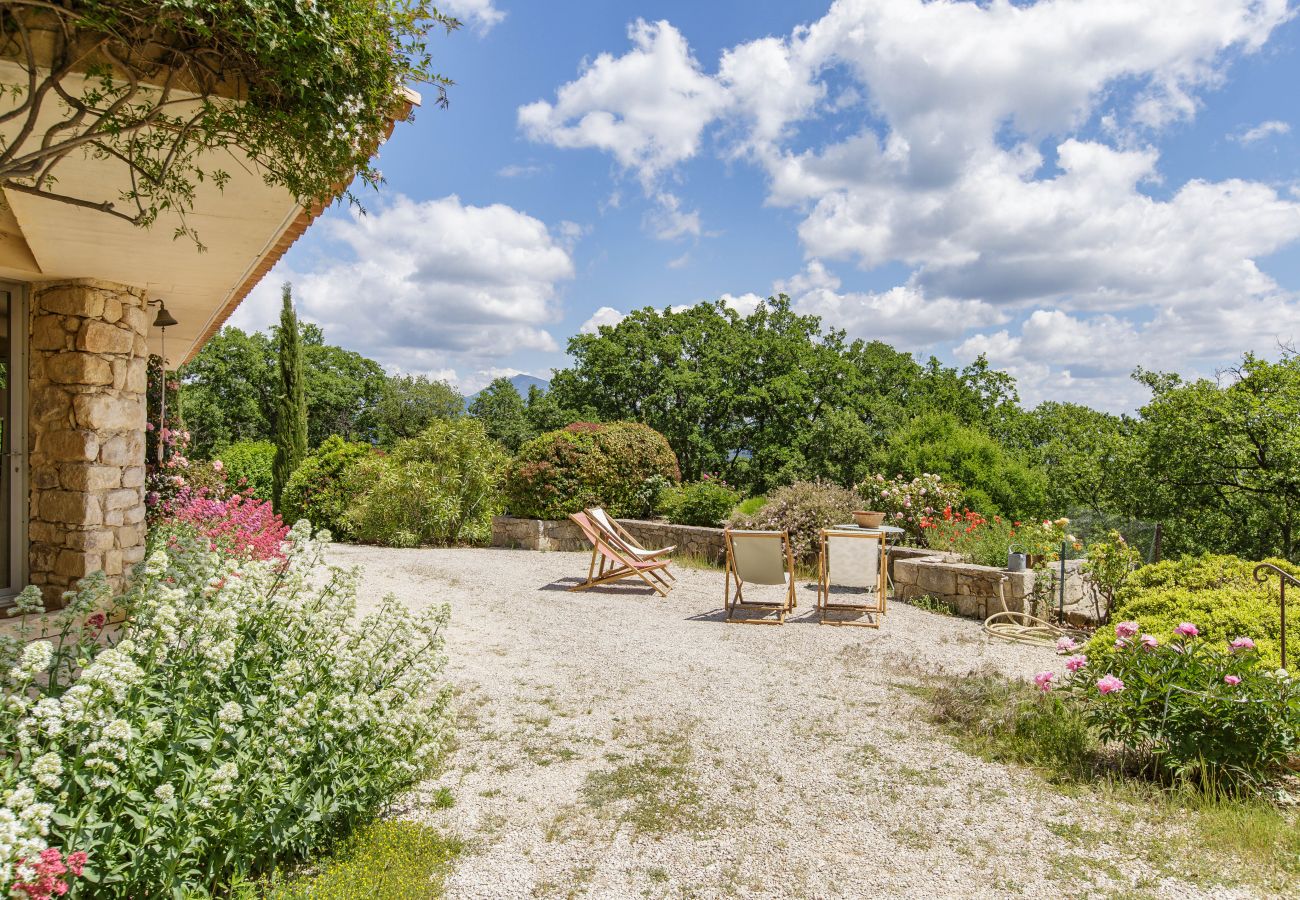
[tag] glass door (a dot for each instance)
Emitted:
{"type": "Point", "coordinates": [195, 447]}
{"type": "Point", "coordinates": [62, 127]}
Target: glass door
{"type": "Point", "coordinates": [13, 440]}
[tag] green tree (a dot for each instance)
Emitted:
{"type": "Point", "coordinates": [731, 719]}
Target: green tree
{"type": "Point", "coordinates": [228, 391]}
{"type": "Point", "coordinates": [291, 399]}
{"type": "Point", "coordinates": [503, 414]}
{"type": "Point", "coordinates": [343, 390]}
{"type": "Point", "coordinates": [992, 479]}
{"type": "Point", "coordinates": [1220, 458]}
{"type": "Point", "coordinates": [409, 404]}
{"type": "Point", "coordinates": [1086, 454]}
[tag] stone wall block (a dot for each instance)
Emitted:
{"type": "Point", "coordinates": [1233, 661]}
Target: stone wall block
{"type": "Point", "coordinates": [70, 300]}
{"type": "Point", "coordinates": [79, 368]}
{"type": "Point", "coordinates": [92, 478]}
{"type": "Point", "coordinates": [133, 476]}
{"type": "Point", "coordinates": [48, 333]}
{"type": "Point", "coordinates": [69, 445]}
{"type": "Point", "coordinates": [124, 450]}
{"type": "Point", "coordinates": [123, 499]}
{"type": "Point", "coordinates": [70, 508]}
{"type": "Point", "coordinates": [100, 337]}
{"type": "Point", "coordinates": [105, 412]}
{"type": "Point", "coordinates": [77, 563]}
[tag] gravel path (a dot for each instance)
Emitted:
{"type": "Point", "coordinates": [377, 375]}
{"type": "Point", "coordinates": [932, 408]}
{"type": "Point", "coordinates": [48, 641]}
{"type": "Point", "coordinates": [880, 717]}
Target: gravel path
{"type": "Point", "coordinates": [614, 744]}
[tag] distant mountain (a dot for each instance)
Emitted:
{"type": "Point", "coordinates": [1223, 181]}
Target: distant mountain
{"type": "Point", "coordinates": [522, 383]}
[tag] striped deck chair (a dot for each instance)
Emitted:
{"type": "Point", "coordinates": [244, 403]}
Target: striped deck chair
{"type": "Point", "coordinates": [619, 536]}
{"type": "Point", "coordinates": [615, 562]}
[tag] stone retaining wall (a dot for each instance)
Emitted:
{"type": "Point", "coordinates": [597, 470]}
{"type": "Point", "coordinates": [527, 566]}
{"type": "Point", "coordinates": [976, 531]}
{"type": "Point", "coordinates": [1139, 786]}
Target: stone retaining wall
{"type": "Point", "coordinates": [971, 590]}
{"type": "Point", "coordinates": [540, 534]}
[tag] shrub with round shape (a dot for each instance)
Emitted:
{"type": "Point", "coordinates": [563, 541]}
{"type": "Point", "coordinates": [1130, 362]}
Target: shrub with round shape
{"type": "Point", "coordinates": [440, 487]}
{"type": "Point", "coordinates": [804, 509]}
{"type": "Point", "coordinates": [589, 464]}
{"type": "Point", "coordinates": [320, 489]}
{"type": "Point", "coordinates": [247, 465]}
{"type": "Point", "coordinates": [704, 503]}
{"type": "Point", "coordinates": [1218, 593]}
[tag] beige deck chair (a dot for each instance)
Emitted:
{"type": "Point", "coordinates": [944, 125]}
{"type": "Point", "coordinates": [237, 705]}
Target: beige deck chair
{"type": "Point", "coordinates": [759, 557]}
{"type": "Point", "coordinates": [620, 535]}
{"type": "Point", "coordinates": [615, 562]}
{"type": "Point", "coordinates": [852, 559]}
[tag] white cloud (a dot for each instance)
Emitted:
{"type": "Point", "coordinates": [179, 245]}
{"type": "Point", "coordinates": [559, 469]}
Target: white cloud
{"type": "Point", "coordinates": [482, 14]}
{"type": "Point", "coordinates": [744, 304]}
{"type": "Point", "coordinates": [520, 171]}
{"type": "Point", "coordinates": [606, 315]}
{"type": "Point", "coordinates": [429, 286]}
{"type": "Point", "coordinates": [1006, 153]}
{"type": "Point", "coordinates": [1261, 131]}
{"type": "Point", "coordinates": [647, 108]}
{"type": "Point", "coordinates": [680, 262]}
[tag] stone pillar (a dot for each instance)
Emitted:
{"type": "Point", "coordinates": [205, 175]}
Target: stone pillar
{"type": "Point", "coordinates": [86, 432]}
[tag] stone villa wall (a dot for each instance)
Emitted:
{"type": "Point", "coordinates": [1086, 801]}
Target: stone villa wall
{"type": "Point", "coordinates": [86, 432]}
{"type": "Point", "coordinates": [971, 590]}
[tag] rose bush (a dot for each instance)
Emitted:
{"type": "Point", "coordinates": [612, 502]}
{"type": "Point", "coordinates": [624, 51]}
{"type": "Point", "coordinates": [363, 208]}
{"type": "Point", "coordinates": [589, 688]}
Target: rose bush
{"type": "Point", "coordinates": [242, 718]}
{"type": "Point", "coordinates": [906, 503]}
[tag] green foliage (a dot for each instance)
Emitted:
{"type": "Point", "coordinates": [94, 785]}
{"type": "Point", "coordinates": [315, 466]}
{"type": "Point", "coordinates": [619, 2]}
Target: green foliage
{"type": "Point", "coordinates": [764, 399]}
{"type": "Point", "coordinates": [992, 480]}
{"type": "Point", "coordinates": [751, 505]}
{"type": "Point", "coordinates": [440, 487]}
{"type": "Point", "coordinates": [1219, 461]}
{"type": "Point", "coordinates": [503, 414]}
{"type": "Point", "coordinates": [228, 390]}
{"type": "Point", "coordinates": [395, 860]}
{"type": "Point", "coordinates": [705, 502]}
{"type": "Point", "coordinates": [290, 431]}
{"type": "Point", "coordinates": [320, 488]}
{"type": "Point", "coordinates": [302, 93]}
{"type": "Point", "coordinates": [411, 403]}
{"type": "Point", "coordinates": [1088, 455]}
{"type": "Point", "coordinates": [343, 389]}
{"type": "Point", "coordinates": [244, 718]}
{"type": "Point", "coordinates": [248, 465]}
{"type": "Point", "coordinates": [1108, 567]}
{"type": "Point", "coordinates": [1194, 708]}
{"type": "Point", "coordinates": [1218, 593]}
{"type": "Point", "coordinates": [587, 464]}
{"type": "Point", "coordinates": [803, 509]}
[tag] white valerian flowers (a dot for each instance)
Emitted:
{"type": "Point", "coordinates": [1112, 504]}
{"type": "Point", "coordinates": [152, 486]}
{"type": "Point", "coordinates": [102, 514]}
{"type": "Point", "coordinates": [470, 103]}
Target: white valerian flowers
{"type": "Point", "coordinates": [230, 714]}
{"type": "Point", "coordinates": [35, 659]}
{"type": "Point", "coordinates": [48, 769]}
{"type": "Point", "coordinates": [164, 793]}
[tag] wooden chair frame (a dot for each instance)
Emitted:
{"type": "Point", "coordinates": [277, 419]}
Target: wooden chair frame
{"type": "Point", "coordinates": [615, 563]}
{"type": "Point", "coordinates": [620, 535]}
{"type": "Point", "coordinates": [731, 605]}
{"type": "Point", "coordinates": [824, 604]}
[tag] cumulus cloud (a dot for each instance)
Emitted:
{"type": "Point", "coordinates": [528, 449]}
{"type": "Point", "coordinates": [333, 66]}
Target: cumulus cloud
{"type": "Point", "coordinates": [430, 286]}
{"type": "Point", "coordinates": [482, 14]}
{"type": "Point", "coordinates": [1261, 131]}
{"type": "Point", "coordinates": [606, 315]}
{"type": "Point", "coordinates": [1016, 174]}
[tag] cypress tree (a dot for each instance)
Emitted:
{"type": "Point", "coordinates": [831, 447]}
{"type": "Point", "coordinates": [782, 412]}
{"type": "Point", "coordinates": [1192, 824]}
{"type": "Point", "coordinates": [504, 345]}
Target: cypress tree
{"type": "Point", "coordinates": [290, 401]}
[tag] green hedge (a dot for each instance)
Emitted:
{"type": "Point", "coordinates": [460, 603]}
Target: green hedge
{"type": "Point", "coordinates": [622, 466]}
{"type": "Point", "coordinates": [247, 465]}
{"type": "Point", "coordinates": [1218, 594]}
{"type": "Point", "coordinates": [319, 490]}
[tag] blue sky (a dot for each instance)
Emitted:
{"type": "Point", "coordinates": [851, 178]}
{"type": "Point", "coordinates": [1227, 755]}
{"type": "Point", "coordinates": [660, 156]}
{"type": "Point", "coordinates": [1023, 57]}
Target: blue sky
{"type": "Point", "coordinates": [1072, 188]}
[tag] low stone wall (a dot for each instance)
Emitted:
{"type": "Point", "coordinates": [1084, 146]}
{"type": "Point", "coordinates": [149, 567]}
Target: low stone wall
{"type": "Point", "coordinates": [541, 534]}
{"type": "Point", "coordinates": [971, 590]}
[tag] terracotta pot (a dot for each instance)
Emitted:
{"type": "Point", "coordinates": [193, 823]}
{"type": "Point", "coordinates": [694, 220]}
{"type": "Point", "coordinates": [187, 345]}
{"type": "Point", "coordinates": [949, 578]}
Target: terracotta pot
{"type": "Point", "coordinates": [868, 519]}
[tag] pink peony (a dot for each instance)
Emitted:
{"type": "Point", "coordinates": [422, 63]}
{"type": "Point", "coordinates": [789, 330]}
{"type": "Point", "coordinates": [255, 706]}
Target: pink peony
{"type": "Point", "coordinates": [1149, 642]}
{"type": "Point", "coordinates": [218, 465]}
{"type": "Point", "coordinates": [1044, 680]}
{"type": "Point", "coordinates": [1187, 629]}
{"type": "Point", "coordinates": [1126, 629]}
{"type": "Point", "coordinates": [1110, 685]}
{"type": "Point", "coordinates": [1242, 643]}
{"type": "Point", "coordinates": [1232, 680]}
{"type": "Point", "coordinates": [1065, 644]}
{"type": "Point", "coordinates": [1076, 662]}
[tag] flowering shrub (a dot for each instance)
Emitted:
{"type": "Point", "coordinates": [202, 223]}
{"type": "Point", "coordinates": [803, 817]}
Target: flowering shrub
{"type": "Point", "coordinates": [244, 718]}
{"type": "Point", "coordinates": [906, 503]}
{"type": "Point", "coordinates": [589, 464]}
{"type": "Point", "coordinates": [247, 467]}
{"type": "Point", "coordinates": [1195, 709]}
{"type": "Point", "coordinates": [1109, 564]}
{"type": "Point", "coordinates": [178, 474]}
{"type": "Point", "coordinates": [240, 526]}
{"type": "Point", "coordinates": [1042, 540]}
{"type": "Point", "coordinates": [983, 541]}
{"type": "Point", "coordinates": [804, 509]}
{"type": "Point", "coordinates": [705, 502]}
{"type": "Point", "coordinates": [439, 487]}
{"type": "Point", "coordinates": [1218, 593]}
{"type": "Point", "coordinates": [321, 488]}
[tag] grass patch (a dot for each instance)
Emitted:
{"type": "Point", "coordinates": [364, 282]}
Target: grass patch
{"type": "Point", "coordinates": [930, 604]}
{"type": "Point", "coordinates": [655, 794]}
{"type": "Point", "coordinates": [1178, 831]}
{"type": "Point", "coordinates": [394, 860]}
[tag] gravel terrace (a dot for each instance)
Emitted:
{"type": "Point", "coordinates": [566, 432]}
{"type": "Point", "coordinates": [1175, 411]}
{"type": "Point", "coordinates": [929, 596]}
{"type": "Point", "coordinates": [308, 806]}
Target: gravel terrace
{"type": "Point", "coordinates": [614, 744]}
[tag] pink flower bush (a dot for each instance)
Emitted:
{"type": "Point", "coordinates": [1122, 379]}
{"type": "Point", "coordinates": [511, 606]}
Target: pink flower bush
{"type": "Point", "coordinates": [1233, 680]}
{"type": "Point", "coordinates": [1125, 630]}
{"type": "Point", "coordinates": [1187, 629]}
{"type": "Point", "coordinates": [1044, 680]}
{"type": "Point", "coordinates": [240, 525]}
{"type": "Point", "coordinates": [1066, 644]}
{"type": "Point", "coordinates": [1109, 684]}
{"type": "Point", "coordinates": [48, 873]}
{"type": "Point", "coordinates": [1076, 662]}
{"type": "Point", "coordinates": [1149, 642]}
{"type": "Point", "coordinates": [1242, 643]}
